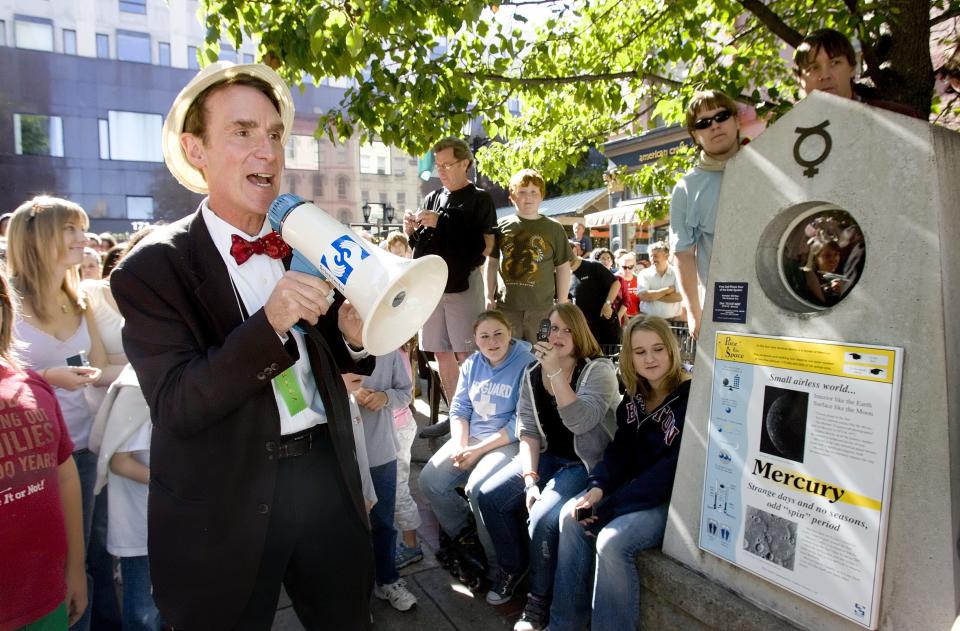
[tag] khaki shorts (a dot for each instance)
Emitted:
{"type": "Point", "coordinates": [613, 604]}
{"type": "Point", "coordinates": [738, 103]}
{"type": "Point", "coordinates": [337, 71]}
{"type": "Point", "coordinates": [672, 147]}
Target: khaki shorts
{"type": "Point", "coordinates": [525, 324]}
{"type": "Point", "coordinates": [450, 326]}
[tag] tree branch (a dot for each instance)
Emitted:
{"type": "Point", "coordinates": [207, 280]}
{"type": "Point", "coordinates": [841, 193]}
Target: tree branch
{"type": "Point", "coordinates": [946, 15]}
{"type": "Point", "coordinates": [772, 21]}
{"type": "Point", "coordinates": [602, 76]}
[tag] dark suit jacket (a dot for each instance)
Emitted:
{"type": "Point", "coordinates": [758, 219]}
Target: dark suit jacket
{"type": "Point", "coordinates": [206, 373]}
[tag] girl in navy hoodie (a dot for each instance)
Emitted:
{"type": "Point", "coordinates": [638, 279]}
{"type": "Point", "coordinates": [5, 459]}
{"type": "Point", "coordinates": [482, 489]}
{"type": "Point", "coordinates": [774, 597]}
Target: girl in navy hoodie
{"type": "Point", "coordinates": [628, 492]}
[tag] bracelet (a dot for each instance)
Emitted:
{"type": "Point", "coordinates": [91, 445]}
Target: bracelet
{"type": "Point", "coordinates": [559, 370]}
{"type": "Point", "coordinates": [531, 474]}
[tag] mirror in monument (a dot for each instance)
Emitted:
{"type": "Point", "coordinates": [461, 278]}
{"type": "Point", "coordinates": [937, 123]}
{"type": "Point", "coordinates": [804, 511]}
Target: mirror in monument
{"type": "Point", "coordinates": [822, 255]}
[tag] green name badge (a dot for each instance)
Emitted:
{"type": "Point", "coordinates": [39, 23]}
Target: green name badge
{"type": "Point", "coordinates": [289, 388]}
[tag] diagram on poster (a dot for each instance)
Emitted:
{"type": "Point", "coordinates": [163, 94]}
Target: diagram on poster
{"type": "Point", "coordinates": [799, 465]}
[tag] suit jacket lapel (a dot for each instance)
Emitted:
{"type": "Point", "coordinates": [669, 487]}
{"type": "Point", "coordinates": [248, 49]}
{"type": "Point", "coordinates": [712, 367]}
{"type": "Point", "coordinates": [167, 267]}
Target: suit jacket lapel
{"type": "Point", "coordinates": [214, 290]}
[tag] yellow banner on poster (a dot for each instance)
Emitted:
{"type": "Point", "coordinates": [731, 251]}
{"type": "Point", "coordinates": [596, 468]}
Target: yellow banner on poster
{"type": "Point", "coordinates": [825, 358]}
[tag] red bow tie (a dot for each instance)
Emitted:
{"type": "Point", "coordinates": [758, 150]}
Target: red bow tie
{"type": "Point", "coordinates": [270, 244]}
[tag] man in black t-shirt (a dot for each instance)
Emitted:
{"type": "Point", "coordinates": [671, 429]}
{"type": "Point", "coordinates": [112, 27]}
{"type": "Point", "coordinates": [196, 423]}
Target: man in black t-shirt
{"type": "Point", "coordinates": [593, 288]}
{"type": "Point", "coordinates": [457, 223]}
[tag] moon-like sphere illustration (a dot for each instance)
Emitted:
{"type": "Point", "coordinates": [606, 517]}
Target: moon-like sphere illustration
{"type": "Point", "coordinates": [786, 423]}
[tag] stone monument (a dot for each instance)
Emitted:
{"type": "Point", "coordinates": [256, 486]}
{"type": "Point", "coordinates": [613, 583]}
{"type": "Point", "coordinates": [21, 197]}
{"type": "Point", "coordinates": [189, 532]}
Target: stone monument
{"type": "Point", "coordinates": [899, 179]}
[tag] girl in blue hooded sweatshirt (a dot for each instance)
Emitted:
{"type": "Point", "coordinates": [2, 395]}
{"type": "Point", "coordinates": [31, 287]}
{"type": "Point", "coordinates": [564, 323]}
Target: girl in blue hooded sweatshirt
{"type": "Point", "coordinates": [482, 439]}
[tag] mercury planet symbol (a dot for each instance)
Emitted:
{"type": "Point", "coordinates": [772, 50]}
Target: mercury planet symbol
{"type": "Point", "coordinates": [786, 424]}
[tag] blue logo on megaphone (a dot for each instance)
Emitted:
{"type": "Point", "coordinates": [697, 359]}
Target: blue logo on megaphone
{"type": "Point", "coordinates": [342, 256]}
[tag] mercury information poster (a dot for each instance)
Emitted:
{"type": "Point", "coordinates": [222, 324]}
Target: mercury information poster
{"type": "Point", "coordinates": [799, 465]}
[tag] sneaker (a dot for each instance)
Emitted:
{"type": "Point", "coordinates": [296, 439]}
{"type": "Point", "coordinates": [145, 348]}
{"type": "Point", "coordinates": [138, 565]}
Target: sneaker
{"type": "Point", "coordinates": [504, 586]}
{"type": "Point", "coordinates": [436, 430]}
{"type": "Point", "coordinates": [535, 614]}
{"type": "Point", "coordinates": [407, 556]}
{"type": "Point", "coordinates": [397, 594]}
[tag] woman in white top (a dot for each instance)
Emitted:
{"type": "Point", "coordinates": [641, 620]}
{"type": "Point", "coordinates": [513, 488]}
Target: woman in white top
{"type": "Point", "coordinates": [45, 242]}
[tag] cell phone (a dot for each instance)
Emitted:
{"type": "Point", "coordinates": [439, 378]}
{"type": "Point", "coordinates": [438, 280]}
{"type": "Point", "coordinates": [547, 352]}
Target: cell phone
{"type": "Point", "coordinates": [544, 333]}
{"type": "Point", "coordinates": [584, 512]}
{"type": "Point", "coordinates": [79, 360]}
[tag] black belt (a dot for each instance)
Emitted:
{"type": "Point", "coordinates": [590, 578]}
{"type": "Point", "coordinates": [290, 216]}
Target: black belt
{"type": "Point", "coordinates": [293, 445]}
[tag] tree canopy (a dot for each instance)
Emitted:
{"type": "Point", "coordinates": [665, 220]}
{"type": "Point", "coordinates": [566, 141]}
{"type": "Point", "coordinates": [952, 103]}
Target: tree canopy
{"type": "Point", "coordinates": [422, 69]}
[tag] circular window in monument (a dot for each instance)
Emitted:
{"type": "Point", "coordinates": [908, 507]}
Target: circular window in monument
{"type": "Point", "coordinates": [811, 257]}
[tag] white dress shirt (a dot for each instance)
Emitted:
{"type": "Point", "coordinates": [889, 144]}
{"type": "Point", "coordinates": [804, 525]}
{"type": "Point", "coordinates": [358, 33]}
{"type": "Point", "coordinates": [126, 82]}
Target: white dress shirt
{"type": "Point", "coordinates": [650, 280]}
{"type": "Point", "coordinates": [254, 282]}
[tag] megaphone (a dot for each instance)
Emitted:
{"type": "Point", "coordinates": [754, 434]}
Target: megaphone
{"type": "Point", "coordinates": [393, 295]}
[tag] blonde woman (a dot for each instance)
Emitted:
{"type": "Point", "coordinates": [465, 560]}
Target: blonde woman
{"type": "Point", "coordinates": [45, 245]}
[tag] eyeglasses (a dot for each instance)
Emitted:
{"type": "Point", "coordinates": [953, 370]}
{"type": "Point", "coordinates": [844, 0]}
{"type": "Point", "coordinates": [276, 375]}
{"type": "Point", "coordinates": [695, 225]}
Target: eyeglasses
{"type": "Point", "coordinates": [448, 165]}
{"type": "Point", "coordinates": [721, 117]}
{"type": "Point", "coordinates": [627, 266]}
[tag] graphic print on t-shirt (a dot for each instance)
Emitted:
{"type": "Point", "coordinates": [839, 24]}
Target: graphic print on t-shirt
{"type": "Point", "coordinates": [25, 435]}
{"type": "Point", "coordinates": [523, 252]}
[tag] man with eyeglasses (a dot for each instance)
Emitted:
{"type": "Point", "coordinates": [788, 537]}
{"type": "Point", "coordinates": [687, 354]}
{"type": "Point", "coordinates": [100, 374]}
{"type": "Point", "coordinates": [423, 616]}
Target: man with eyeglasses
{"type": "Point", "coordinates": [457, 223]}
{"type": "Point", "coordinates": [714, 125]}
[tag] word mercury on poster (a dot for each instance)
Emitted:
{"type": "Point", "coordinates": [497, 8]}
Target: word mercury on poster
{"type": "Point", "coordinates": [799, 465]}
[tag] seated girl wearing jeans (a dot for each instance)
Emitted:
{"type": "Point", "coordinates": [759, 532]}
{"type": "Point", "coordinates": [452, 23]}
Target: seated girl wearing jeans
{"type": "Point", "coordinates": [563, 401]}
{"type": "Point", "coordinates": [482, 439]}
{"type": "Point", "coordinates": [629, 491]}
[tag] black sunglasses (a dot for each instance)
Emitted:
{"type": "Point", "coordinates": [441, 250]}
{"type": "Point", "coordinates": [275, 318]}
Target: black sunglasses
{"type": "Point", "coordinates": [721, 117]}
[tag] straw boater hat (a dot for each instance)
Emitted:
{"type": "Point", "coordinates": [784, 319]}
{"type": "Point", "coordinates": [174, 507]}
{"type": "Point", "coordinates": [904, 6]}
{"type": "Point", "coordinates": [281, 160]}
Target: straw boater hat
{"type": "Point", "coordinates": [176, 159]}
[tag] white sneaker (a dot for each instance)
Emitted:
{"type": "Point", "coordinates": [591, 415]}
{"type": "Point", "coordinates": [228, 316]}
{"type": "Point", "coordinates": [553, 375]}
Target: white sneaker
{"type": "Point", "coordinates": [397, 594]}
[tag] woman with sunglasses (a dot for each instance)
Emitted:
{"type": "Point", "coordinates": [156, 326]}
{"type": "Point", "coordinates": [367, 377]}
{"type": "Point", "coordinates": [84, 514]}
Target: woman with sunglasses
{"type": "Point", "coordinates": [628, 493]}
{"type": "Point", "coordinates": [45, 248]}
{"type": "Point", "coordinates": [564, 400]}
{"type": "Point", "coordinates": [628, 302]}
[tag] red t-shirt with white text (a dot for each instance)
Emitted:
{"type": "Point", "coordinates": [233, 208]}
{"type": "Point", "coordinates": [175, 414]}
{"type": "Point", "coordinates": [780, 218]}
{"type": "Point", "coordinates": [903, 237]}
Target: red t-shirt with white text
{"type": "Point", "coordinates": [33, 540]}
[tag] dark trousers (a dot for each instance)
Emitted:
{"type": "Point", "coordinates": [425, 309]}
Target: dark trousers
{"type": "Point", "coordinates": [316, 547]}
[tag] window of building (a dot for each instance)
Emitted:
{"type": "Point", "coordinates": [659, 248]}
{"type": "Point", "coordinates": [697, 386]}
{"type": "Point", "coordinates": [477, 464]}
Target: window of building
{"type": "Point", "coordinates": [401, 199]}
{"type": "Point", "coordinates": [383, 199]}
{"type": "Point", "coordinates": [133, 46]}
{"type": "Point", "coordinates": [134, 6]}
{"type": "Point", "coordinates": [139, 207]}
{"type": "Point", "coordinates": [131, 136]}
{"type": "Point", "coordinates": [103, 46]}
{"type": "Point", "coordinates": [69, 42]}
{"type": "Point", "coordinates": [227, 53]}
{"type": "Point", "coordinates": [317, 186]}
{"type": "Point", "coordinates": [163, 53]}
{"type": "Point", "coordinates": [33, 33]}
{"type": "Point", "coordinates": [365, 196]}
{"type": "Point", "coordinates": [3, 32]}
{"type": "Point", "coordinates": [343, 183]}
{"type": "Point", "coordinates": [38, 135]}
{"type": "Point", "coordinates": [192, 61]}
{"type": "Point", "coordinates": [302, 152]}
{"type": "Point", "coordinates": [247, 58]}
{"type": "Point", "coordinates": [375, 158]}
{"type": "Point", "coordinates": [344, 215]}
{"type": "Point", "coordinates": [104, 129]}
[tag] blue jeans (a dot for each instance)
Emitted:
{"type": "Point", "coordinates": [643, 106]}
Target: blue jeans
{"type": "Point", "coordinates": [616, 582]}
{"type": "Point", "coordinates": [102, 612]}
{"type": "Point", "coordinates": [139, 611]}
{"type": "Point", "coordinates": [381, 522]}
{"type": "Point", "coordinates": [439, 481]}
{"type": "Point", "coordinates": [501, 500]}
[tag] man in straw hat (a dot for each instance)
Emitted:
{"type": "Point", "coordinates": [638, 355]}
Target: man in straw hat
{"type": "Point", "coordinates": [254, 481]}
